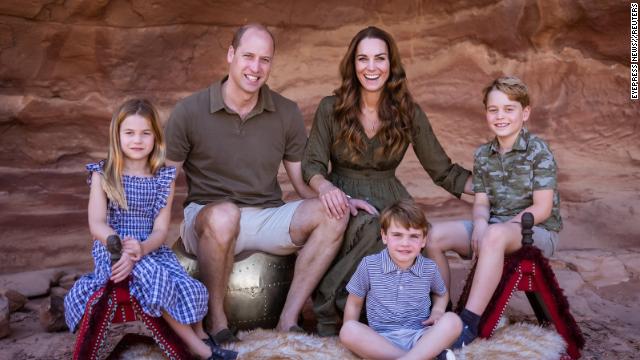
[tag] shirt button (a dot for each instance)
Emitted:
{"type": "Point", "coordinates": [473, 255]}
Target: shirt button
{"type": "Point", "coordinates": [398, 272]}
{"type": "Point", "coordinates": [401, 287]}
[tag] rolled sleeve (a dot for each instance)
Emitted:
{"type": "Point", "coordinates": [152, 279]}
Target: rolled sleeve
{"type": "Point", "coordinates": [317, 152]}
{"type": "Point", "coordinates": [434, 160]}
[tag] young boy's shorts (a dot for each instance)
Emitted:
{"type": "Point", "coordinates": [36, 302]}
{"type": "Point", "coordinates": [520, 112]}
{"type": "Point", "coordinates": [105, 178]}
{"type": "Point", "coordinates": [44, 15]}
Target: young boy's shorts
{"type": "Point", "coordinates": [261, 229]}
{"type": "Point", "coordinates": [543, 239]}
{"type": "Point", "coordinates": [405, 339]}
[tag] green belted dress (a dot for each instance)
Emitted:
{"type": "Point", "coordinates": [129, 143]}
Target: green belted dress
{"type": "Point", "coordinates": [371, 178]}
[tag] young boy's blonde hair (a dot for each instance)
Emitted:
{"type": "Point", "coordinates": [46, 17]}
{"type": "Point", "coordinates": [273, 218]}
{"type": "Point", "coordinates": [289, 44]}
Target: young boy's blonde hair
{"type": "Point", "coordinates": [515, 89]}
{"type": "Point", "coordinates": [405, 213]}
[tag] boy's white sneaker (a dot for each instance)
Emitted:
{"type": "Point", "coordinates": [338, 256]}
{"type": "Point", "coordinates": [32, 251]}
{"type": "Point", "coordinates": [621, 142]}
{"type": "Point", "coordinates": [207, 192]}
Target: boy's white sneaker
{"type": "Point", "coordinates": [446, 354]}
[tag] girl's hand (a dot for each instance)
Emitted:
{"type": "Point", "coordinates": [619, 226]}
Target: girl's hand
{"type": "Point", "coordinates": [121, 269]}
{"type": "Point", "coordinates": [335, 201]}
{"type": "Point", "coordinates": [357, 204]}
{"type": "Point", "coordinates": [433, 318]}
{"type": "Point", "coordinates": [133, 247]}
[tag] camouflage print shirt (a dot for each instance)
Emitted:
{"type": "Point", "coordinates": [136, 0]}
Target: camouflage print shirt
{"type": "Point", "coordinates": [510, 179]}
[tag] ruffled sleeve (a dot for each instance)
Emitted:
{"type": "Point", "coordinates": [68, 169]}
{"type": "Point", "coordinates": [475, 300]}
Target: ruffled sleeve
{"type": "Point", "coordinates": [94, 167]}
{"type": "Point", "coordinates": [165, 176]}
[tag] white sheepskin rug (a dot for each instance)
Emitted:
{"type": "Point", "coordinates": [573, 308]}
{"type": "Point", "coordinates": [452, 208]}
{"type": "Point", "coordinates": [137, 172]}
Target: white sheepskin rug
{"type": "Point", "coordinates": [517, 341]}
{"type": "Point", "coordinates": [272, 345]}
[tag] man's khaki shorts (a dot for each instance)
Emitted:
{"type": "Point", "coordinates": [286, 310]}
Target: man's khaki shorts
{"type": "Point", "coordinates": [261, 229]}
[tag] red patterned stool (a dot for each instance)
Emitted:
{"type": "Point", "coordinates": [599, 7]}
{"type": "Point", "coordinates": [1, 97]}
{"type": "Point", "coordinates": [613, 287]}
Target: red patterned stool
{"type": "Point", "coordinates": [528, 270]}
{"type": "Point", "coordinates": [114, 304]}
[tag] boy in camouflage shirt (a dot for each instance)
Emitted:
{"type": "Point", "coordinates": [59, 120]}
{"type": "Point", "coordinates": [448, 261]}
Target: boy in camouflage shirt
{"type": "Point", "coordinates": [512, 174]}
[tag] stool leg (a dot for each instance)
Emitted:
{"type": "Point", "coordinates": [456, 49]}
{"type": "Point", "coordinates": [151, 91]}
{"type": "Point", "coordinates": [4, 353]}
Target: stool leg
{"type": "Point", "coordinates": [560, 322]}
{"type": "Point", "coordinates": [537, 304]}
{"type": "Point", "coordinates": [99, 312]}
{"type": "Point", "coordinates": [168, 341]}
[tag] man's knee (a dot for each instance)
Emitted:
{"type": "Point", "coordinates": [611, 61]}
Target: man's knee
{"type": "Point", "coordinates": [317, 214]}
{"type": "Point", "coordinates": [221, 222]}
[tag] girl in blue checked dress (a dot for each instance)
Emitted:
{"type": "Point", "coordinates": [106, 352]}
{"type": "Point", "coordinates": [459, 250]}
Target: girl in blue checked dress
{"type": "Point", "coordinates": [130, 196]}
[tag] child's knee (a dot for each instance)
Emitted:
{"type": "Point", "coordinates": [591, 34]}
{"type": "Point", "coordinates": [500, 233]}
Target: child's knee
{"type": "Point", "coordinates": [496, 236]}
{"type": "Point", "coordinates": [452, 322]}
{"type": "Point", "coordinates": [436, 238]}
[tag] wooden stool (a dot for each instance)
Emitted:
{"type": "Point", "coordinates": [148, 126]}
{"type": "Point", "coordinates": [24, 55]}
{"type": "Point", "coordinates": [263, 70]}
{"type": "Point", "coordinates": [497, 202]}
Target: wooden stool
{"type": "Point", "coordinates": [528, 270]}
{"type": "Point", "coordinates": [114, 304]}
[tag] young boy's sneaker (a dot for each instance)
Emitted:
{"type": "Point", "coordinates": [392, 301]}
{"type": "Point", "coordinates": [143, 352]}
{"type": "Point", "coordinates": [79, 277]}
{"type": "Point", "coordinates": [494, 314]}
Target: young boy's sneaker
{"type": "Point", "coordinates": [446, 354]}
{"type": "Point", "coordinates": [466, 337]}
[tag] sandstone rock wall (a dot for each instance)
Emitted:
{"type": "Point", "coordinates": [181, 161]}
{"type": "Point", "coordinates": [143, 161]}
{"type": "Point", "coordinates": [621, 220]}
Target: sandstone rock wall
{"type": "Point", "coordinates": [65, 65]}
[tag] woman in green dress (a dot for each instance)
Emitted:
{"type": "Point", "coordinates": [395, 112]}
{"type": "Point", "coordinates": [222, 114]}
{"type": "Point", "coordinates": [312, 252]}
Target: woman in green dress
{"type": "Point", "coordinates": [358, 138]}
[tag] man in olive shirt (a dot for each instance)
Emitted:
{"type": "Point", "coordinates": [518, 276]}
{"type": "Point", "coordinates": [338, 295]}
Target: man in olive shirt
{"type": "Point", "coordinates": [230, 140]}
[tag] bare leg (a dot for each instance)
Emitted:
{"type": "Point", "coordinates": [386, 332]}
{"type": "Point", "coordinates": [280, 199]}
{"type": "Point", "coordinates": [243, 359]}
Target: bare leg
{"type": "Point", "coordinates": [217, 227]}
{"type": "Point", "coordinates": [186, 333]}
{"type": "Point", "coordinates": [498, 240]}
{"type": "Point", "coordinates": [367, 343]}
{"type": "Point", "coordinates": [437, 338]}
{"type": "Point", "coordinates": [199, 330]}
{"type": "Point", "coordinates": [445, 236]}
{"type": "Point", "coordinates": [321, 237]}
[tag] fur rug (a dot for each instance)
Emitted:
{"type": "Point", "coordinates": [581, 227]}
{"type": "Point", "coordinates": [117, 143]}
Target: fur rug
{"type": "Point", "coordinates": [271, 345]}
{"type": "Point", "coordinates": [517, 341]}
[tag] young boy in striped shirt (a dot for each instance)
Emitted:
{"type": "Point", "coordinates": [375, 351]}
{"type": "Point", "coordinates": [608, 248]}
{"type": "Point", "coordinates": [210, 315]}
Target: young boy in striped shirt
{"type": "Point", "coordinates": [398, 283]}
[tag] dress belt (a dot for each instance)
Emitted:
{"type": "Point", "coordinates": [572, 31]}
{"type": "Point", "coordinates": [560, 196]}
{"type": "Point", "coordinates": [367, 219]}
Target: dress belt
{"type": "Point", "coordinates": [365, 174]}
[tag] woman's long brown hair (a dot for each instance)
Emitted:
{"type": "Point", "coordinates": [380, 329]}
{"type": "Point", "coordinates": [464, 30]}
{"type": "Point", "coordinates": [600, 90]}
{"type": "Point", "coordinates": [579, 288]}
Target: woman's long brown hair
{"type": "Point", "coordinates": [395, 108]}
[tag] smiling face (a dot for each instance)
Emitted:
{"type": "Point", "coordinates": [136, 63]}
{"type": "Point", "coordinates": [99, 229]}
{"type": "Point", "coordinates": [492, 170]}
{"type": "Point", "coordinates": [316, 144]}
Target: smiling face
{"type": "Point", "coordinates": [136, 137]}
{"type": "Point", "coordinates": [505, 117]}
{"type": "Point", "coordinates": [250, 62]}
{"type": "Point", "coordinates": [372, 64]}
{"type": "Point", "coordinates": [404, 244]}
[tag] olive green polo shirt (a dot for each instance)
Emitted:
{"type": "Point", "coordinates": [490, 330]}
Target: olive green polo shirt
{"type": "Point", "coordinates": [228, 158]}
{"type": "Point", "coordinates": [510, 179]}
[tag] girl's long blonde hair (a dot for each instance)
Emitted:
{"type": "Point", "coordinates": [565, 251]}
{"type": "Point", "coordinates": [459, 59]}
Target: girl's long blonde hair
{"type": "Point", "coordinates": [114, 165]}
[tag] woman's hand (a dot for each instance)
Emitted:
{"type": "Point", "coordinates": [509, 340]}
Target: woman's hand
{"type": "Point", "coordinates": [357, 204]}
{"type": "Point", "coordinates": [122, 268]}
{"type": "Point", "coordinates": [335, 201]}
{"type": "Point", "coordinates": [133, 247]}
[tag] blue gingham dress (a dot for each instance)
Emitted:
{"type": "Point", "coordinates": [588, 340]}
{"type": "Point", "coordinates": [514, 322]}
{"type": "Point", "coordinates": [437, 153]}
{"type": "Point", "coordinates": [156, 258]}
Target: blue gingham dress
{"type": "Point", "coordinates": [159, 282]}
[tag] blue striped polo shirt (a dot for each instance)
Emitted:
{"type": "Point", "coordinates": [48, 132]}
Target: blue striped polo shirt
{"type": "Point", "coordinates": [395, 298]}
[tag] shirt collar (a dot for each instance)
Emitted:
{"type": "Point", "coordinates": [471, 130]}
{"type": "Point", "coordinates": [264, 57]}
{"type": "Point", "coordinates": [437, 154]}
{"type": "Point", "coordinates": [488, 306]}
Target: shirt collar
{"type": "Point", "coordinates": [265, 100]}
{"type": "Point", "coordinates": [389, 266]}
{"type": "Point", "coordinates": [521, 143]}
